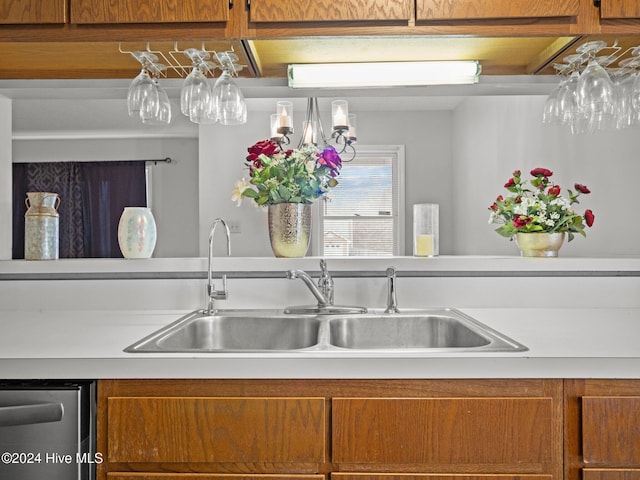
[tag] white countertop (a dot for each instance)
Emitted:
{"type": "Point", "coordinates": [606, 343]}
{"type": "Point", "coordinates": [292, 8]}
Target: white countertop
{"type": "Point", "coordinates": [562, 342]}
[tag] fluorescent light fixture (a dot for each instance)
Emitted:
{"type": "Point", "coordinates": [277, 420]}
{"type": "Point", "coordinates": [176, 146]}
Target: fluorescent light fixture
{"type": "Point", "coordinates": [382, 74]}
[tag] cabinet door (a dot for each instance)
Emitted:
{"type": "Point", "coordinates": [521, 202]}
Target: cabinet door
{"type": "Point", "coordinates": [418, 476]}
{"type": "Point", "coordinates": [610, 474]}
{"type": "Point", "coordinates": [32, 11]}
{"type": "Point", "coordinates": [148, 11]}
{"type": "Point", "coordinates": [440, 10]}
{"type": "Point", "coordinates": [445, 431]}
{"type": "Point", "coordinates": [204, 429]}
{"type": "Point", "coordinates": [328, 10]}
{"type": "Point", "coordinates": [611, 430]}
{"type": "Point", "coordinates": [619, 9]}
{"type": "Point", "coordinates": [212, 476]}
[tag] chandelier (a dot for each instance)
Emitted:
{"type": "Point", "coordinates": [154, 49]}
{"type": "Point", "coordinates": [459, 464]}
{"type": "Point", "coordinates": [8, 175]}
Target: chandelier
{"type": "Point", "coordinates": [200, 100]}
{"type": "Point", "coordinates": [343, 126]}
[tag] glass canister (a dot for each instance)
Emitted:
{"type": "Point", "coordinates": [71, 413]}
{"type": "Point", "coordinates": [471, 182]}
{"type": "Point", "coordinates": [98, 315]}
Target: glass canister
{"type": "Point", "coordinates": [41, 226]}
{"type": "Point", "coordinates": [426, 230]}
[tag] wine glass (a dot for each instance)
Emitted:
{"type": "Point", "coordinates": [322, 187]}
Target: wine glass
{"type": "Point", "coordinates": [142, 85]}
{"type": "Point", "coordinates": [595, 90]}
{"type": "Point", "coordinates": [160, 115]}
{"type": "Point", "coordinates": [230, 102]}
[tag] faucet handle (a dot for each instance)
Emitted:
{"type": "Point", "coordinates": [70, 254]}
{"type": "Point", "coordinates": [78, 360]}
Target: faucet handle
{"type": "Point", "coordinates": [325, 282]}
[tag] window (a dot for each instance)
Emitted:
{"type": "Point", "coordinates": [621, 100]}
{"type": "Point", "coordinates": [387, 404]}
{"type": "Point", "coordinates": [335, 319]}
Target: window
{"type": "Point", "coordinates": [364, 214]}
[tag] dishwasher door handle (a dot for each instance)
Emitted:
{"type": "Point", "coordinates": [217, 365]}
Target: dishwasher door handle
{"type": "Point", "coordinates": [30, 414]}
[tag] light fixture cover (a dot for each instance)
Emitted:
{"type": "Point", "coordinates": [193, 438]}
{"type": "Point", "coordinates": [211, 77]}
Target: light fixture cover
{"type": "Point", "coordinates": [382, 74]}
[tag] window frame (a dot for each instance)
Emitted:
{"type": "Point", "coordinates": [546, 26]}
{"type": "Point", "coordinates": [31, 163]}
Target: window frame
{"type": "Point", "coordinates": [397, 153]}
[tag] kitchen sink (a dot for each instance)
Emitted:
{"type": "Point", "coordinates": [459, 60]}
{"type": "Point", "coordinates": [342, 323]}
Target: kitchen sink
{"type": "Point", "coordinates": [429, 330]}
{"type": "Point", "coordinates": [232, 330]}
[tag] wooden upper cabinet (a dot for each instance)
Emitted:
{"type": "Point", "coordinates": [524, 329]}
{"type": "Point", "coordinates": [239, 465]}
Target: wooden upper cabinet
{"type": "Point", "coordinates": [272, 11]}
{"type": "Point", "coordinates": [32, 11]}
{"type": "Point", "coordinates": [611, 430]}
{"type": "Point", "coordinates": [447, 431]}
{"type": "Point", "coordinates": [203, 429]}
{"type": "Point", "coordinates": [447, 10]}
{"type": "Point", "coordinates": [614, 9]}
{"type": "Point", "coordinates": [148, 11]}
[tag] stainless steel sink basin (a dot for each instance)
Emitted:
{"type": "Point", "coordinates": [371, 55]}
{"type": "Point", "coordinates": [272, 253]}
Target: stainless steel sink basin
{"type": "Point", "coordinates": [432, 330]}
{"type": "Point", "coordinates": [446, 329]}
{"type": "Point", "coordinates": [232, 331]}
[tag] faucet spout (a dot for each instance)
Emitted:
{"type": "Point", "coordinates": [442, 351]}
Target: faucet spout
{"type": "Point", "coordinates": [212, 293]}
{"type": "Point", "coordinates": [308, 281]}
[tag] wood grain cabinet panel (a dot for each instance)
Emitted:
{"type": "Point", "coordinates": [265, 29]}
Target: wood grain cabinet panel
{"type": "Point", "coordinates": [431, 476]}
{"type": "Point", "coordinates": [611, 430]}
{"type": "Point", "coordinates": [212, 476]}
{"type": "Point", "coordinates": [619, 9]}
{"type": "Point", "coordinates": [442, 10]}
{"type": "Point", "coordinates": [148, 11]}
{"type": "Point", "coordinates": [328, 10]}
{"type": "Point", "coordinates": [444, 431]}
{"type": "Point", "coordinates": [33, 11]}
{"type": "Point", "coordinates": [611, 474]}
{"type": "Point", "coordinates": [193, 429]}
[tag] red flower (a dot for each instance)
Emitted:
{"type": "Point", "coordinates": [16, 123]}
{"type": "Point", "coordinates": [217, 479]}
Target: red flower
{"type": "Point", "coordinates": [589, 217]}
{"type": "Point", "coordinates": [521, 221]}
{"type": "Point", "coordinates": [263, 147]}
{"type": "Point", "coordinates": [517, 173]}
{"type": "Point", "coordinates": [582, 188]}
{"type": "Point", "coordinates": [554, 191]}
{"type": "Point", "coordinates": [510, 183]}
{"type": "Point", "coordinates": [541, 172]}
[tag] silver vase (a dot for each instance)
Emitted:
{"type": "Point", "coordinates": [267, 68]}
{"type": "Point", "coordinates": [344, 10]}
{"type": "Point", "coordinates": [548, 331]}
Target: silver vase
{"type": "Point", "coordinates": [289, 229]}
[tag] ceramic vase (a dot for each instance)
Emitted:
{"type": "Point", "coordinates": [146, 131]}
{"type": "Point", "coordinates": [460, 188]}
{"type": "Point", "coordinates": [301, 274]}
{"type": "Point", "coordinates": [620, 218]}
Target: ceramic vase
{"type": "Point", "coordinates": [289, 229]}
{"type": "Point", "coordinates": [41, 226]}
{"type": "Point", "coordinates": [137, 232]}
{"type": "Point", "coordinates": [539, 244]}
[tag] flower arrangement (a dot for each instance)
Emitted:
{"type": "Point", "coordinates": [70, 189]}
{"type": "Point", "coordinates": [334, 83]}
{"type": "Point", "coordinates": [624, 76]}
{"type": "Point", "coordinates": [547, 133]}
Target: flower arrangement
{"type": "Point", "coordinates": [291, 176]}
{"type": "Point", "coordinates": [539, 209]}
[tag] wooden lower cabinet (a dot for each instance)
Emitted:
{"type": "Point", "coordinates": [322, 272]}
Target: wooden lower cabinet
{"type": "Point", "coordinates": [330, 429]}
{"type": "Point", "coordinates": [602, 430]}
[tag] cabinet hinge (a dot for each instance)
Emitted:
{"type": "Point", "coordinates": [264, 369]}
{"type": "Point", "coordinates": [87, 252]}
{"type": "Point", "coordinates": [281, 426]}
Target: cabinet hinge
{"type": "Point", "coordinates": [230, 4]}
{"type": "Point", "coordinates": [248, 4]}
{"type": "Point", "coordinates": [596, 3]}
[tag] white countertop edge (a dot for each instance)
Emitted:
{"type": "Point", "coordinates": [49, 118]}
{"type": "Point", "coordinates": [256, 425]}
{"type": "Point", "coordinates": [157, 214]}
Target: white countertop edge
{"type": "Point", "coordinates": [327, 368]}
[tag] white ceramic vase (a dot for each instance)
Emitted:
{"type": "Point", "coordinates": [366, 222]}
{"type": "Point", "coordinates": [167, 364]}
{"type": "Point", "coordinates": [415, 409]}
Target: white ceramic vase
{"type": "Point", "coordinates": [137, 232]}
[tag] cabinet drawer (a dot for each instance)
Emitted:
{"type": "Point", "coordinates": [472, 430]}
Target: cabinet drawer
{"type": "Point", "coordinates": [435, 476]}
{"type": "Point", "coordinates": [610, 474]}
{"type": "Point", "coordinates": [225, 429]}
{"type": "Point", "coordinates": [445, 431]}
{"type": "Point", "coordinates": [620, 9]}
{"type": "Point", "coordinates": [611, 430]}
{"type": "Point", "coordinates": [32, 11]}
{"type": "Point", "coordinates": [148, 11]}
{"type": "Point", "coordinates": [212, 476]}
{"type": "Point", "coordinates": [328, 10]}
{"type": "Point", "coordinates": [494, 9]}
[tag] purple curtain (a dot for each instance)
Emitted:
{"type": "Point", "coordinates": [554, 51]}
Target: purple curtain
{"type": "Point", "coordinates": [92, 197]}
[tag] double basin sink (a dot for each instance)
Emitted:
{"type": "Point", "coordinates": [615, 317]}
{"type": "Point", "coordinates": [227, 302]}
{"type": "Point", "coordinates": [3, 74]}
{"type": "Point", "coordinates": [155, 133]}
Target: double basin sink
{"type": "Point", "coordinates": [431, 330]}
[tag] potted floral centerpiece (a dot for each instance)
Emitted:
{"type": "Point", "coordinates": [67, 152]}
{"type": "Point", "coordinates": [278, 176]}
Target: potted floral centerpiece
{"type": "Point", "coordinates": [539, 217]}
{"type": "Point", "coordinates": [288, 182]}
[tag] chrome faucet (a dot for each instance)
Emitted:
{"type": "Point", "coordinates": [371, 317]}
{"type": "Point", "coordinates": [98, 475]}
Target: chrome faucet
{"type": "Point", "coordinates": [324, 291]}
{"type": "Point", "coordinates": [212, 293]}
{"type": "Point", "coordinates": [392, 300]}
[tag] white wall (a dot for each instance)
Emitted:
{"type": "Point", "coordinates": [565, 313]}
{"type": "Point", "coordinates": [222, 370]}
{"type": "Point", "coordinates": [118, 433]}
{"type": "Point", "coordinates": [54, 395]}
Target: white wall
{"type": "Point", "coordinates": [493, 136]}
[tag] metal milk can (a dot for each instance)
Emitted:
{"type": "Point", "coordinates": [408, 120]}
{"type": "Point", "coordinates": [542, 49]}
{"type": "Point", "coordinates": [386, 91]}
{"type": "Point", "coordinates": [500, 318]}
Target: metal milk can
{"type": "Point", "coordinates": [41, 226]}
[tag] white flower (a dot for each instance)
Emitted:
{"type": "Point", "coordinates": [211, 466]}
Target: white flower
{"type": "Point", "coordinates": [239, 187]}
{"type": "Point", "coordinates": [310, 166]}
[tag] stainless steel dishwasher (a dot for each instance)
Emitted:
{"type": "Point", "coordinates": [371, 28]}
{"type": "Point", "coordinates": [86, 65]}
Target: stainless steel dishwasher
{"type": "Point", "coordinates": [47, 430]}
